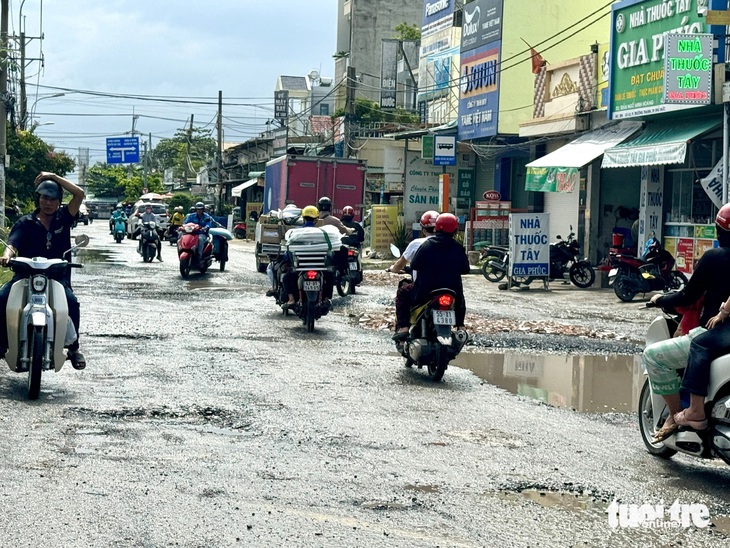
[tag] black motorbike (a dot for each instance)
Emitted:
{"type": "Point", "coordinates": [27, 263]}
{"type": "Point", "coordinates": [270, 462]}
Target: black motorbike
{"type": "Point", "coordinates": [349, 275]}
{"type": "Point", "coordinates": [150, 238]}
{"type": "Point", "coordinates": [495, 265]}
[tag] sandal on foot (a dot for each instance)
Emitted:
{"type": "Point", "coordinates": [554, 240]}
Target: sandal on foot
{"type": "Point", "coordinates": [681, 420]}
{"type": "Point", "coordinates": [665, 431]}
{"type": "Point", "coordinates": [77, 360]}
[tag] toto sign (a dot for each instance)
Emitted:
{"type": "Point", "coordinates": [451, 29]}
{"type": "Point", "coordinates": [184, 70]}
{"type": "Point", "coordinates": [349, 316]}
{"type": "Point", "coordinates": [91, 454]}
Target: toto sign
{"type": "Point", "coordinates": [492, 195]}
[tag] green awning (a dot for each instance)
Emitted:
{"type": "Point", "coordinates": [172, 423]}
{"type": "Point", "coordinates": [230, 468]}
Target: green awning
{"type": "Point", "coordinates": [660, 143]}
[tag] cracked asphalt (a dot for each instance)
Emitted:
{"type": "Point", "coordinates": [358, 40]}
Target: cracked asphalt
{"type": "Point", "coordinates": [207, 418]}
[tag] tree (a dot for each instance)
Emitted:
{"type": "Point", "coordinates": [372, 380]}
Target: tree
{"type": "Point", "coordinates": [29, 155]}
{"type": "Point", "coordinates": [404, 31]}
{"type": "Point", "coordinates": [121, 182]}
{"type": "Point", "coordinates": [185, 153]}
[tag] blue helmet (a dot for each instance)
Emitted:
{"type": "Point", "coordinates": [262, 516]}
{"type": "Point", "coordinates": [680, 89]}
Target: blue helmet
{"type": "Point", "coordinates": [49, 189]}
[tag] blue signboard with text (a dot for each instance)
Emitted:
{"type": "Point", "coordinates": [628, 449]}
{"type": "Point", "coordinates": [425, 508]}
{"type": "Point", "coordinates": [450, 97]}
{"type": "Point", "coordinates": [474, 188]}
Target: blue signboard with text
{"type": "Point", "coordinates": [122, 150]}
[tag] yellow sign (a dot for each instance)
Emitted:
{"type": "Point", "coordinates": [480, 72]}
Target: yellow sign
{"type": "Point", "coordinates": [718, 17]}
{"type": "Point", "coordinates": [384, 219]}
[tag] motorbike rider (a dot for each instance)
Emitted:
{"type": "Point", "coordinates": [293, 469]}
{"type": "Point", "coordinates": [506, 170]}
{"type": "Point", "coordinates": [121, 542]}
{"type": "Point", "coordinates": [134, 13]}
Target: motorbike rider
{"type": "Point", "coordinates": [324, 205]}
{"type": "Point", "coordinates": [117, 214]}
{"type": "Point", "coordinates": [310, 215]}
{"type": "Point", "coordinates": [403, 297]}
{"type": "Point", "coordinates": [440, 262]}
{"type": "Point", "coordinates": [46, 233]}
{"type": "Point", "coordinates": [149, 217]}
{"type": "Point", "coordinates": [358, 236]}
{"type": "Point", "coordinates": [204, 221]}
{"type": "Point", "coordinates": [176, 221]}
{"type": "Point", "coordinates": [695, 350]}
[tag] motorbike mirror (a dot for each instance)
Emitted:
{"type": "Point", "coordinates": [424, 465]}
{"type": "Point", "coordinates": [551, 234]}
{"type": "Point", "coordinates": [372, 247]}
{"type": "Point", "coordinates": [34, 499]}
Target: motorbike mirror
{"type": "Point", "coordinates": [395, 251]}
{"type": "Point", "coordinates": [82, 240]}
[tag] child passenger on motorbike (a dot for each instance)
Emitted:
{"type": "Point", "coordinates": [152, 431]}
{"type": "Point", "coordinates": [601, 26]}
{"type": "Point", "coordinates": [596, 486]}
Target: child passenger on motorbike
{"type": "Point", "coordinates": [403, 297]}
{"type": "Point", "coordinates": [695, 350]}
{"type": "Point", "coordinates": [46, 233]}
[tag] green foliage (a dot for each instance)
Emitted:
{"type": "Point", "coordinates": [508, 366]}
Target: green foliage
{"type": "Point", "coordinates": [186, 152]}
{"type": "Point", "coordinates": [123, 182]}
{"type": "Point", "coordinates": [29, 155]}
{"type": "Point", "coordinates": [404, 31]}
{"type": "Point", "coordinates": [181, 199]}
{"type": "Point", "coordinates": [370, 111]}
{"type": "Point", "coordinates": [401, 235]}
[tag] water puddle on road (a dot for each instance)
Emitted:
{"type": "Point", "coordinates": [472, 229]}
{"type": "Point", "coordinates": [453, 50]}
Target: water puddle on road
{"type": "Point", "coordinates": [91, 256]}
{"type": "Point", "coordinates": [589, 384]}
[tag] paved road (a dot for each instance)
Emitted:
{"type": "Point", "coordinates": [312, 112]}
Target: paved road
{"type": "Point", "coordinates": [206, 418]}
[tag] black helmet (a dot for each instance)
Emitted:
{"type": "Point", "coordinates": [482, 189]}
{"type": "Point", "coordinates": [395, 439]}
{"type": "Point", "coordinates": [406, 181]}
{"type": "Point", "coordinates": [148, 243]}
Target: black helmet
{"type": "Point", "coordinates": [324, 204]}
{"type": "Point", "coordinates": [49, 189]}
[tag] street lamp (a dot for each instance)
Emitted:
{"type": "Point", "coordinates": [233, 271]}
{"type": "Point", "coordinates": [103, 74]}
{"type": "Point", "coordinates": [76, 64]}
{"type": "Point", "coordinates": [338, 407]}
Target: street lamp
{"type": "Point", "coordinates": [32, 108]}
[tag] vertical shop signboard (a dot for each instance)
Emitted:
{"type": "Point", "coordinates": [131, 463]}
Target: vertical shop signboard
{"type": "Point", "coordinates": [384, 219]}
{"type": "Point", "coordinates": [652, 204]}
{"type": "Point", "coordinates": [529, 244]}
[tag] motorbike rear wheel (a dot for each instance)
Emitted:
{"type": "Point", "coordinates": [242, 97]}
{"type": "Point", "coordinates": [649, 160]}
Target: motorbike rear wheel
{"type": "Point", "coordinates": [36, 363]}
{"type": "Point", "coordinates": [309, 320]}
{"type": "Point", "coordinates": [185, 267]}
{"type": "Point", "coordinates": [239, 233]}
{"type": "Point", "coordinates": [582, 274]}
{"type": "Point", "coordinates": [623, 288]}
{"type": "Point", "coordinates": [677, 281]}
{"type": "Point", "coordinates": [646, 425]}
{"type": "Point", "coordinates": [491, 273]}
{"type": "Point", "coordinates": [344, 285]}
{"type": "Point", "coordinates": [436, 370]}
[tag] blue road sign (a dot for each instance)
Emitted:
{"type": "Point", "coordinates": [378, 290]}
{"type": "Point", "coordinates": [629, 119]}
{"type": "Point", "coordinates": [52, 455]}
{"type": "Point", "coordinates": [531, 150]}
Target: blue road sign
{"type": "Point", "coordinates": [444, 150]}
{"type": "Point", "coordinates": [122, 150]}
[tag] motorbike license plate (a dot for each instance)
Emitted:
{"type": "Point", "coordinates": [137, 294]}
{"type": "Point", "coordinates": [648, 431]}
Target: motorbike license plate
{"type": "Point", "coordinates": [310, 285]}
{"type": "Point", "coordinates": [353, 266]}
{"type": "Point", "coordinates": [613, 272]}
{"type": "Point", "coordinates": [444, 317]}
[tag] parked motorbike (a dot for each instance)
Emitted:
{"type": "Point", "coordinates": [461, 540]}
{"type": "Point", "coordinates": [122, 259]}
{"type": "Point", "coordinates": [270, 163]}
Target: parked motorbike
{"type": "Point", "coordinates": [495, 265]}
{"type": "Point", "coordinates": [120, 229]}
{"type": "Point", "coordinates": [239, 230]}
{"type": "Point", "coordinates": [631, 275]}
{"type": "Point", "coordinates": [187, 250]}
{"type": "Point", "coordinates": [710, 443]}
{"type": "Point", "coordinates": [38, 323]}
{"type": "Point", "coordinates": [220, 237]}
{"type": "Point", "coordinates": [149, 240]}
{"type": "Point", "coordinates": [350, 276]}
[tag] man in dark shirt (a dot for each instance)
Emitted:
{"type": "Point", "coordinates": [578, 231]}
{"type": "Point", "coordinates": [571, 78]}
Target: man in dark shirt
{"type": "Point", "coordinates": [356, 238]}
{"type": "Point", "coordinates": [440, 262]}
{"type": "Point", "coordinates": [46, 233]}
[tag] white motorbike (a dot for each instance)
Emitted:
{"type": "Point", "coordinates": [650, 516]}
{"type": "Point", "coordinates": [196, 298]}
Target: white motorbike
{"type": "Point", "coordinates": [710, 443]}
{"type": "Point", "coordinates": [38, 323]}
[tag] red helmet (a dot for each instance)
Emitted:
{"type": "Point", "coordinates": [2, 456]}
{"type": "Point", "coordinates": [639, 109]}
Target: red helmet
{"type": "Point", "coordinates": [447, 223]}
{"type": "Point", "coordinates": [723, 217]}
{"type": "Point", "coordinates": [348, 211]}
{"type": "Point", "coordinates": [428, 219]}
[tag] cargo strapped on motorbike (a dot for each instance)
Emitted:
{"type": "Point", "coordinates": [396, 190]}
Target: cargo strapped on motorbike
{"type": "Point", "coordinates": [311, 248]}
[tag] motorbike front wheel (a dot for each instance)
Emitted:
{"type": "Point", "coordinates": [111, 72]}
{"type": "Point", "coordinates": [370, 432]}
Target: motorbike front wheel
{"type": "Point", "coordinates": [677, 281]}
{"type": "Point", "coordinates": [489, 272]}
{"type": "Point", "coordinates": [148, 253]}
{"type": "Point", "coordinates": [522, 280]}
{"type": "Point", "coordinates": [185, 267]}
{"type": "Point", "coordinates": [623, 288]}
{"type": "Point", "coordinates": [437, 369]}
{"type": "Point", "coordinates": [582, 274]}
{"type": "Point", "coordinates": [239, 233]}
{"type": "Point", "coordinates": [646, 425]}
{"type": "Point", "coordinates": [36, 363]}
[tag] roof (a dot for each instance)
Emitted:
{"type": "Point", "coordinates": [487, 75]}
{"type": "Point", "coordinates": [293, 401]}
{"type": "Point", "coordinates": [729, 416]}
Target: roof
{"type": "Point", "coordinates": [293, 83]}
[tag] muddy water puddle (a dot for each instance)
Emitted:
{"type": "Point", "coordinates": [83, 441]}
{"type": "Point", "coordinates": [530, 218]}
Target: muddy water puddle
{"type": "Point", "coordinates": [589, 384]}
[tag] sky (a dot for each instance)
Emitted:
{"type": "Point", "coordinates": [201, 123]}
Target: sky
{"type": "Point", "coordinates": [182, 50]}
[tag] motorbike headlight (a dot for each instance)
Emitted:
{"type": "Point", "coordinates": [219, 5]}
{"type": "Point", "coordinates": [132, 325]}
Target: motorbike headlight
{"type": "Point", "coordinates": [39, 283]}
{"type": "Point", "coordinates": [153, 224]}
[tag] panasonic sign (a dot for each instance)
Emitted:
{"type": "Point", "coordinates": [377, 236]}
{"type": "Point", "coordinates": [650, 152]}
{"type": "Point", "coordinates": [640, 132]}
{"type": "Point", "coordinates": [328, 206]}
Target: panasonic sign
{"type": "Point", "coordinates": [433, 9]}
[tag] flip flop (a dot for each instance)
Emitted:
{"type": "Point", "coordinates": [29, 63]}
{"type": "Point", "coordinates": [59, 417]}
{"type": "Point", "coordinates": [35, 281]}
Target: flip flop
{"type": "Point", "coordinates": [680, 419]}
{"type": "Point", "coordinates": [77, 359]}
{"type": "Point", "coordinates": [665, 431]}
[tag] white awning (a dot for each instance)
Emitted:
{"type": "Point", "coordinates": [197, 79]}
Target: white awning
{"type": "Point", "coordinates": [236, 191]}
{"type": "Point", "coordinates": [588, 146]}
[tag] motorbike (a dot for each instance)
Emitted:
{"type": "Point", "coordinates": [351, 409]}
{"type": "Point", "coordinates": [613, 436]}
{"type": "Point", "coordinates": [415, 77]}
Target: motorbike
{"type": "Point", "coordinates": [564, 259]}
{"type": "Point", "coordinates": [313, 268]}
{"type": "Point", "coordinates": [350, 276]}
{"type": "Point", "coordinates": [654, 272]}
{"type": "Point", "coordinates": [710, 443]}
{"type": "Point", "coordinates": [173, 233]}
{"type": "Point", "coordinates": [239, 230]}
{"type": "Point", "coordinates": [120, 229]}
{"type": "Point", "coordinates": [38, 323]}
{"type": "Point", "coordinates": [187, 250]}
{"type": "Point", "coordinates": [149, 240]}
{"type": "Point", "coordinates": [220, 237]}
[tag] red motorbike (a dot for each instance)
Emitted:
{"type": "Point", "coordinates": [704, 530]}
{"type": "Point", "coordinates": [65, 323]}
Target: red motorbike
{"type": "Point", "coordinates": [654, 272]}
{"type": "Point", "coordinates": [187, 249]}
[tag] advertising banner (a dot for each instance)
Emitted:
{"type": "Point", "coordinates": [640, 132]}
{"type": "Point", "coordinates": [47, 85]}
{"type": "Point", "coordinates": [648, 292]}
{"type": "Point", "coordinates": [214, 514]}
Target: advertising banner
{"type": "Point", "coordinates": [713, 184]}
{"type": "Point", "coordinates": [479, 97]}
{"type": "Point", "coordinates": [383, 222]}
{"type": "Point", "coordinates": [685, 255]}
{"type": "Point", "coordinates": [552, 179]}
{"type": "Point", "coordinates": [482, 23]}
{"type": "Point", "coordinates": [281, 104]}
{"type": "Point", "coordinates": [465, 186]}
{"type": "Point", "coordinates": [421, 191]}
{"type": "Point", "coordinates": [688, 69]}
{"type": "Point", "coordinates": [637, 53]}
{"type": "Point", "coordinates": [437, 15]}
{"type": "Point", "coordinates": [529, 244]}
{"type": "Point", "coordinates": [388, 73]}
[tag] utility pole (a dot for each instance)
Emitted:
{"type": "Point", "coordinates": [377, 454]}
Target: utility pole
{"type": "Point", "coordinates": [188, 143]}
{"type": "Point", "coordinates": [220, 150]}
{"type": "Point", "coordinates": [349, 107]}
{"type": "Point", "coordinates": [144, 168]}
{"type": "Point", "coordinates": [3, 111]}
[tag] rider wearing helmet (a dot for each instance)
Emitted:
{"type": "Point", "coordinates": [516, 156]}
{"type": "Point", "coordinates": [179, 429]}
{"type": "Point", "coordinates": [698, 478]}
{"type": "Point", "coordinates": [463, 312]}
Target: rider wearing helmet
{"type": "Point", "coordinates": [118, 213]}
{"type": "Point", "coordinates": [148, 216]}
{"type": "Point", "coordinates": [46, 233]}
{"type": "Point", "coordinates": [326, 218]}
{"type": "Point", "coordinates": [441, 262]}
{"type": "Point", "coordinates": [204, 221]}
{"type": "Point", "coordinates": [696, 349]}
{"type": "Point", "coordinates": [358, 236]}
{"type": "Point", "coordinates": [404, 295]}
